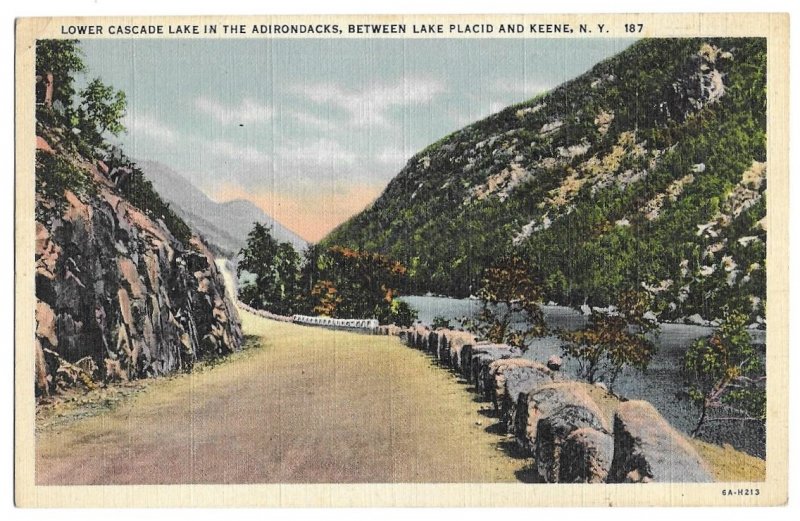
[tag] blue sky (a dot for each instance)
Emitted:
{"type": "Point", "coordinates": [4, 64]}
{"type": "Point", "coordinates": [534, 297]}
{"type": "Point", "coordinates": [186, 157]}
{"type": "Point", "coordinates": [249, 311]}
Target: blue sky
{"type": "Point", "coordinates": [312, 130]}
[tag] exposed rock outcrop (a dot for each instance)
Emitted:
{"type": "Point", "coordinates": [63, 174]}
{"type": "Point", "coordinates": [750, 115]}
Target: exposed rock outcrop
{"type": "Point", "coordinates": [547, 167]}
{"type": "Point", "coordinates": [115, 287]}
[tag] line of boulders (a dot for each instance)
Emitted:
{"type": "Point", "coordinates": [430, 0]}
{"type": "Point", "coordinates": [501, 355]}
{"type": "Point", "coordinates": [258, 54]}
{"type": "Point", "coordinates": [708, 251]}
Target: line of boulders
{"type": "Point", "coordinates": [575, 432]}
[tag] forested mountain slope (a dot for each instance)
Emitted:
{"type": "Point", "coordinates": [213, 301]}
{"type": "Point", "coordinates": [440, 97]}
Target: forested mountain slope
{"type": "Point", "coordinates": [647, 171]}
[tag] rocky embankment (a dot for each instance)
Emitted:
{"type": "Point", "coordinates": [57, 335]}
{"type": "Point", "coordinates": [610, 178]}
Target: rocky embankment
{"type": "Point", "coordinates": [118, 296]}
{"type": "Point", "coordinates": [574, 431]}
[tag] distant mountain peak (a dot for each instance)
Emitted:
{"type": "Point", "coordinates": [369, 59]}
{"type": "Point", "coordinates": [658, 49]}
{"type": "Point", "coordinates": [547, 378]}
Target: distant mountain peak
{"type": "Point", "coordinates": [224, 225]}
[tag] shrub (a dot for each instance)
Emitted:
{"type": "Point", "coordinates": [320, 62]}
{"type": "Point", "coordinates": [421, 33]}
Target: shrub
{"type": "Point", "coordinates": [510, 294]}
{"type": "Point", "coordinates": [613, 339]}
{"type": "Point", "coordinates": [55, 175]}
{"type": "Point", "coordinates": [725, 370]}
{"type": "Point", "coordinates": [440, 322]}
{"type": "Point", "coordinates": [398, 313]}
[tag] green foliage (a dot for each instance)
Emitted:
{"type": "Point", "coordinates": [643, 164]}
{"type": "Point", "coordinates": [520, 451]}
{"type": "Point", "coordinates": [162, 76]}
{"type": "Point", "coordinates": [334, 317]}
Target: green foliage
{"type": "Point", "coordinates": [100, 110]}
{"type": "Point", "coordinates": [62, 59]}
{"type": "Point", "coordinates": [55, 175]}
{"type": "Point", "coordinates": [398, 313]}
{"type": "Point", "coordinates": [440, 322]}
{"type": "Point", "coordinates": [78, 126]}
{"type": "Point", "coordinates": [725, 370]}
{"type": "Point", "coordinates": [276, 268]}
{"type": "Point", "coordinates": [354, 284]}
{"type": "Point", "coordinates": [139, 191]}
{"type": "Point", "coordinates": [89, 114]}
{"type": "Point", "coordinates": [614, 339]}
{"type": "Point", "coordinates": [511, 296]}
{"type": "Point", "coordinates": [335, 282]}
{"type": "Point", "coordinates": [309, 274]}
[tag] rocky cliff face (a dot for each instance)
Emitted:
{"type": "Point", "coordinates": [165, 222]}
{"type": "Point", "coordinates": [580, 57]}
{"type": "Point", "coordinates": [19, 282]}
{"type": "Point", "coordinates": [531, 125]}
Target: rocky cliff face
{"type": "Point", "coordinates": [118, 296]}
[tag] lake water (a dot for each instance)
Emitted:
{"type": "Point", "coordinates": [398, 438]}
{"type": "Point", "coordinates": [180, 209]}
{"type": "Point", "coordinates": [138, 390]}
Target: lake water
{"type": "Point", "coordinates": [663, 384]}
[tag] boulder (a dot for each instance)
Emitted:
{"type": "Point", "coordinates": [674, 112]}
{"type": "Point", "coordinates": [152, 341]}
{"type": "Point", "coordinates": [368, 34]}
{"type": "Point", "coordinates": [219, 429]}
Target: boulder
{"type": "Point", "coordinates": [420, 337]}
{"type": "Point", "coordinates": [442, 351]}
{"type": "Point", "coordinates": [465, 362]}
{"type": "Point", "coordinates": [647, 448]}
{"type": "Point", "coordinates": [554, 429]}
{"type": "Point", "coordinates": [520, 380]}
{"type": "Point", "coordinates": [586, 456]}
{"type": "Point", "coordinates": [404, 334]}
{"type": "Point", "coordinates": [483, 356]}
{"type": "Point", "coordinates": [549, 399]}
{"type": "Point", "coordinates": [554, 363]}
{"type": "Point", "coordinates": [456, 340]}
{"type": "Point", "coordinates": [434, 342]}
{"type": "Point", "coordinates": [495, 388]}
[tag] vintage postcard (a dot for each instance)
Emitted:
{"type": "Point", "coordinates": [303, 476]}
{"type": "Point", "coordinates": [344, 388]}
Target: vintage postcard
{"type": "Point", "coordinates": [451, 260]}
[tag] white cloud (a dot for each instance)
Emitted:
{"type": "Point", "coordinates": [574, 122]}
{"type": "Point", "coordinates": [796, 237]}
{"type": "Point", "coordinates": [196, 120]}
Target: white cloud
{"type": "Point", "coordinates": [368, 107]}
{"type": "Point", "coordinates": [527, 88]}
{"type": "Point", "coordinates": [392, 156]}
{"type": "Point", "coordinates": [247, 111]}
{"type": "Point", "coordinates": [320, 152]}
{"type": "Point", "coordinates": [240, 153]}
{"type": "Point", "coordinates": [496, 106]}
{"type": "Point", "coordinates": [310, 120]}
{"type": "Point", "coordinates": [318, 156]}
{"type": "Point", "coordinates": [141, 124]}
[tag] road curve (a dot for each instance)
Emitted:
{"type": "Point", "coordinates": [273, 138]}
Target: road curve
{"type": "Point", "coordinates": [300, 405]}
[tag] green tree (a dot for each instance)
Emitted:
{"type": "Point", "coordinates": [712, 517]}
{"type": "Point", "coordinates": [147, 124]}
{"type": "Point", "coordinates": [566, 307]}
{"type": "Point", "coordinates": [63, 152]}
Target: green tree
{"type": "Point", "coordinates": [725, 370]}
{"type": "Point", "coordinates": [61, 59]}
{"type": "Point", "coordinates": [510, 294]}
{"type": "Point", "coordinates": [353, 284]}
{"type": "Point", "coordinates": [100, 110]}
{"type": "Point", "coordinates": [613, 339]}
{"type": "Point", "coordinates": [309, 273]}
{"type": "Point", "coordinates": [398, 313]}
{"type": "Point", "coordinates": [276, 269]}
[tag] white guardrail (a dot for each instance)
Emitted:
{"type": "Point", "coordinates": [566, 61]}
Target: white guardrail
{"type": "Point", "coordinates": [342, 323]}
{"type": "Point", "coordinates": [370, 325]}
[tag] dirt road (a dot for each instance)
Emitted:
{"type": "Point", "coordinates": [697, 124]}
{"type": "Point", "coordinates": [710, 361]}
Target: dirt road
{"type": "Point", "coordinates": [303, 405]}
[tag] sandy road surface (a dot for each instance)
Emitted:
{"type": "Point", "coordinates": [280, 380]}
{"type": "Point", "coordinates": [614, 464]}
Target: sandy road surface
{"type": "Point", "coordinates": [302, 405]}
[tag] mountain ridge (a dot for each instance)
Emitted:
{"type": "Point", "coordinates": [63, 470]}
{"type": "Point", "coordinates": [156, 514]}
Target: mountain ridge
{"type": "Point", "coordinates": [205, 214]}
{"type": "Point", "coordinates": [648, 171]}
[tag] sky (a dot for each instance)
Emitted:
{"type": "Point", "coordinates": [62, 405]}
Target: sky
{"type": "Point", "coordinates": [312, 130]}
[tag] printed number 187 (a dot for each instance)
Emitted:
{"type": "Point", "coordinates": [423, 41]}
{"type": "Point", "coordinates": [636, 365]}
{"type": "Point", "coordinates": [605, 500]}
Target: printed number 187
{"type": "Point", "coordinates": [634, 28]}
